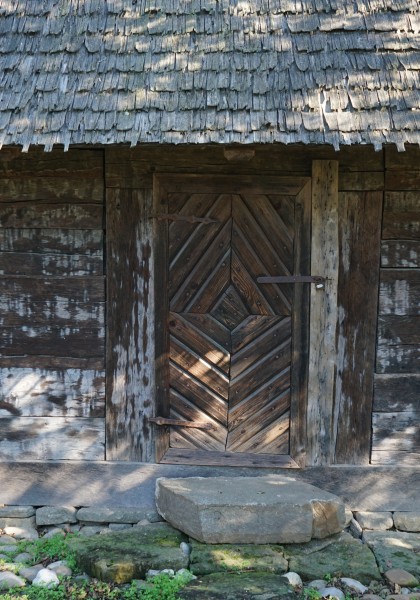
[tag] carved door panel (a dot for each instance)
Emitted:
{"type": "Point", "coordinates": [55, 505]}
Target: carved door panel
{"type": "Point", "coordinates": [229, 339]}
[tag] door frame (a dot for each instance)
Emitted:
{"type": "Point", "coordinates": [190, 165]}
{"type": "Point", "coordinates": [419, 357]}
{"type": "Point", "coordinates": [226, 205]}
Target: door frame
{"type": "Point", "coordinates": [300, 187]}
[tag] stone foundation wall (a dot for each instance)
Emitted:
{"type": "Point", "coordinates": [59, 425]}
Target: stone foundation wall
{"type": "Point", "coordinates": [30, 522]}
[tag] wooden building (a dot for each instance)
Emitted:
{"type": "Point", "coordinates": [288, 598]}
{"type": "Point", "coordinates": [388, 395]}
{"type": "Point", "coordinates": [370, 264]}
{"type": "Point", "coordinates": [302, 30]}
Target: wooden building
{"type": "Point", "coordinates": [160, 164]}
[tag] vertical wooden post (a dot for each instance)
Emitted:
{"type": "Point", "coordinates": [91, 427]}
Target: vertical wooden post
{"type": "Point", "coordinates": [322, 335]}
{"type": "Point", "coordinates": [130, 326]}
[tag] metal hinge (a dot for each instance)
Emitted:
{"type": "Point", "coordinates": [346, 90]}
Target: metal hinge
{"type": "Point", "coordinates": [317, 279]}
{"type": "Point", "coordinates": [178, 423]}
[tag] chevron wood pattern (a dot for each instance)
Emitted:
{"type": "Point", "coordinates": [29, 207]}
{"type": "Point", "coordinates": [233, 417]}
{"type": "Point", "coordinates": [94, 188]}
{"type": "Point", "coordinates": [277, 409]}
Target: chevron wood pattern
{"type": "Point", "coordinates": [230, 338]}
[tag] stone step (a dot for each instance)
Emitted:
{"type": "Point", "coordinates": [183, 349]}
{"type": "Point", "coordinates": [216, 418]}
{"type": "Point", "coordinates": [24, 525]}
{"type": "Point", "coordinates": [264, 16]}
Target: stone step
{"type": "Point", "coordinates": [249, 510]}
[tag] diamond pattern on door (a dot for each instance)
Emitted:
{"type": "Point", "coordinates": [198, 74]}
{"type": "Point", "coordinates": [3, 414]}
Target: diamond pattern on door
{"type": "Point", "coordinates": [230, 338]}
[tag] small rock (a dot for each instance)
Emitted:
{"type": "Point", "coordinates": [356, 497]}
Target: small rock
{"type": "Point", "coordinates": [401, 577]}
{"type": "Point", "coordinates": [53, 515]}
{"type": "Point", "coordinates": [153, 572]}
{"type": "Point", "coordinates": [3, 557]}
{"type": "Point", "coordinates": [19, 512]}
{"type": "Point", "coordinates": [293, 578]}
{"type": "Point", "coordinates": [46, 578]}
{"type": "Point", "coordinates": [23, 557]}
{"type": "Point", "coordinates": [9, 580]}
{"type": "Point", "coordinates": [355, 529]}
{"type": "Point", "coordinates": [348, 516]}
{"type": "Point", "coordinates": [355, 585]}
{"type": "Point", "coordinates": [29, 573]}
{"type": "Point", "coordinates": [407, 521]}
{"type": "Point", "coordinates": [119, 526]}
{"type": "Point", "coordinates": [8, 548]}
{"type": "Point", "coordinates": [185, 573]}
{"type": "Point", "coordinates": [22, 533]}
{"type": "Point", "coordinates": [54, 531]}
{"type": "Point", "coordinates": [186, 548]}
{"type": "Point", "coordinates": [7, 540]}
{"type": "Point", "coordinates": [332, 592]}
{"type": "Point", "coordinates": [375, 520]}
{"type": "Point", "coordinates": [81, 577]}
{"type": "Point", "coordinates": [316, 584]}
{"type": "Point", "coordinates": [62, 571]}
{"type": "Point", "coordinates": [90, 530]}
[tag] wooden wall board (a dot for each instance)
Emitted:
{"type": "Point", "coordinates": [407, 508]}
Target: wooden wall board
{"type": "Point", "coordinates": [397, 358]}
{"type": "Point", "coordinates": [397, 393]}
{"type": "Point", "coordinates": [76, 163]}
{"type": "Point", "coordinates": [394, 457]}
{"type": "Point", "coordinates": [61, 289]}
{"type": "Point", "coordinates": [23, 263]}
{"type": "Point", "coordinates": [396, 432]}
{"type": "Point", "coordinates": [64, 215]}
{"type": "Point", "coordinates": [358, 282]}
{"type": "Point", "coordinates": [35, 392]}
{"type": "Point", "coordinates": [24, 312]}
{"type": "Point", "coordinates": [40, 361]}
{"type": "Point", "coordinates": [361, 181]}
{"type": "Point", "coordinates": [399, 292]}
{"type": "Point", "coordinates": [87, 242]}
{"type": "Point", "coordinates": [130, 326]}
{"type": "Point", "coordinates": [324, 262]}
{"type": "Point", "coordinates": [402, 180]}
{"type": "Point", "coordinates": [400, 254]}
{"type": "Point", "coordinates": [51, 188]}
{"type": "Point", "coordinates": [401, 161]}
{"type": "Point", "coordinates": [51, 438]}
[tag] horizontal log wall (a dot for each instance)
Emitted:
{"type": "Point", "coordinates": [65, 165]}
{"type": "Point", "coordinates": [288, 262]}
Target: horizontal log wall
{"type": "Point", "coordinates": [52, 305]}
{"type": "Point", "coordinates": [396, 416]}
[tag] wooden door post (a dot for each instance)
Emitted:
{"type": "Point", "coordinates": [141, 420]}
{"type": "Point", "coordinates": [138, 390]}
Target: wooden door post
{"type": "Point", "coordinates": [323, 321]}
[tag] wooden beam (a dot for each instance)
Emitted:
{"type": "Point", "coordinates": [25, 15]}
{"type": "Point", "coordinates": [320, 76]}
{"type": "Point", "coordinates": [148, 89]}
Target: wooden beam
{"type": "Point", "coordinates": [324, 262]}
{"type": "Point", "coordinates": [359, 238]}
{"type": "Point", "coordinates": [130, 328]}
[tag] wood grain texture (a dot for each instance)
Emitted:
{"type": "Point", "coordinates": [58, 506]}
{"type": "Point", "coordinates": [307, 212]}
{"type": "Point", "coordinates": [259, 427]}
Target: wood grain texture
{"type": "Point", "coordinates": [67, 215]}
{"type": "Point", "coordinates": [397, 393]}
{"type": "Point", "coordinates": [130, 326]}
{"type": "Point", "coordinates": [358, 277]}
{"type": "Point", "coordinates": [401, 161]}
{"type": "Point", "coordinates": [179, 456]}
{"type": "Point", "coordinates": [324, 262]}
{"type": "Point", "coordinates": [41, 392]}
{"type": "Point", "coordinates": [20, 263]}
{"type": "Point", "coordinates": [401, 219]}
{"type": "Point", "coordinates": [399, 292]}
{"type": "Point", "coordinates": [395, 432]}
{"type": "Point", "coordinates": [51, 438]}
{"type": "Point", "coordinates": [300, 327]}
{"type": "Point", "coordinates": [400, 254]}
{"type": "Point", "coordinates": [51, 188]}
{"type": "Point", "coordinates": [52, 241]}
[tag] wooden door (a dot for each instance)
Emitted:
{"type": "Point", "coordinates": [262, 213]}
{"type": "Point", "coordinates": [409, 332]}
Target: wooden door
{"type": "Point", "coordinates": [228, 350]}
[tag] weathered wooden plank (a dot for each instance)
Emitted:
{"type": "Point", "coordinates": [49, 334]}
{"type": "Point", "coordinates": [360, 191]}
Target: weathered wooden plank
{"type": "Point", "coordinates": [396, 432]}
{"type": "Point", "coordinates": [41, 392]}
{"type": "Point", "coordinates": [26, 361]}
{"type": "Point", "coordinates": [399, 292]}
{"type": "Point", "coordinates": [76, 163]}
{"type": "Point", "coordinates": [22, 263]}
{"type": "Point", "coordinates": [409, 159]}
{"type": "Point", "coordinates": [300, 328]}
{"type": "Point", "coordinates": [50, 215]}
{"type": "Point", "coordinates": [400, 254]}
{"type": "Point", "coordinates": [401, 225]}
{"type": "Point", "coordinates": [132, 167]}
{"type": "Point", "coordinates": [324, 261]}
{"type": "Point", "coordinates": [22, 312]}
{"type": "Point", "coordinates": [51, 438]}
{"type": "Point", "coordinates": [52, 241]}
{"type": "Point", "coordinates": [395, 329]}
{"type": "Point", "coordinates": [179, 456]}
{"type": "Point", "coordinates": [397, 393]}
{"type": "Point", "coordinates": [90, 190]}
{"type": "Point", "coordinates": [391, 457]}
{"type": "Point", "coordinates": [358, 276]}
{"type": "Point", "coordinates": [401, 202]}
{"type": "Point", "coordinates": [398, 358]}
{"type": "Point", "coordinates": [361, 181]}
{"type": "Point", "coordinates": [130, 326]}
{"type": "Point", "coordinates": [402, 180]}
{"type": "Point", "coordinates": [61, 289]}
{"type": "Point", "coordinates": [79, 342]}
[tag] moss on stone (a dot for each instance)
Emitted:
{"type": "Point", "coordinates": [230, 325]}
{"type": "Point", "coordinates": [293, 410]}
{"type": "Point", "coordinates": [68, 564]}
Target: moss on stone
{"type": "Point", "coordinates": [239, 586]}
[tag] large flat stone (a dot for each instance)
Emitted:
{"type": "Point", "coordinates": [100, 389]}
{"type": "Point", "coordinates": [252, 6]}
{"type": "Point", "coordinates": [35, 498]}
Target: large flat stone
{"type": "Point", "coordinates": [239, 586]}
{"type": "Point", "coordinates": [395, 550]}
{"type": "Point", "coordinates": [123, 556]}
{"type": "Point", "coordinates": [249, 510]}
{"type": "Point", "coordinates": [340, 556]}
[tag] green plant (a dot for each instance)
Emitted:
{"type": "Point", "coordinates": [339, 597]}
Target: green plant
{"type": "Point", "coordinates": [311, 594]}
{"type": "Point", "coordinates": [46, 550]}
{"type": "Point", "coordinates": [328, 577]}
{"type": "Point", "coordinates": [164, 587]}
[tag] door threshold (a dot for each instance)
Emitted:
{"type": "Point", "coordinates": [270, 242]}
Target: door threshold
{"type": "Point", "coordinates": [182, 456]}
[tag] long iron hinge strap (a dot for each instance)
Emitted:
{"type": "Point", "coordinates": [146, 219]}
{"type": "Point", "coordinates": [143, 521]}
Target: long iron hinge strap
{"type": "Point", "coordinates": [292, 279]}
{"type": "Point", "coordinates": [178, 423]}
{"type": "Point", "coordinates": [186, 218]}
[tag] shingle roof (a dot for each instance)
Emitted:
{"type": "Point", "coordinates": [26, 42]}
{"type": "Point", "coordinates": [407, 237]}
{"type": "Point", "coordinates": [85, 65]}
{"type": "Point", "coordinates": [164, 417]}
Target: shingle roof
{"type": "Point", "coordinates": [202, 71]}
